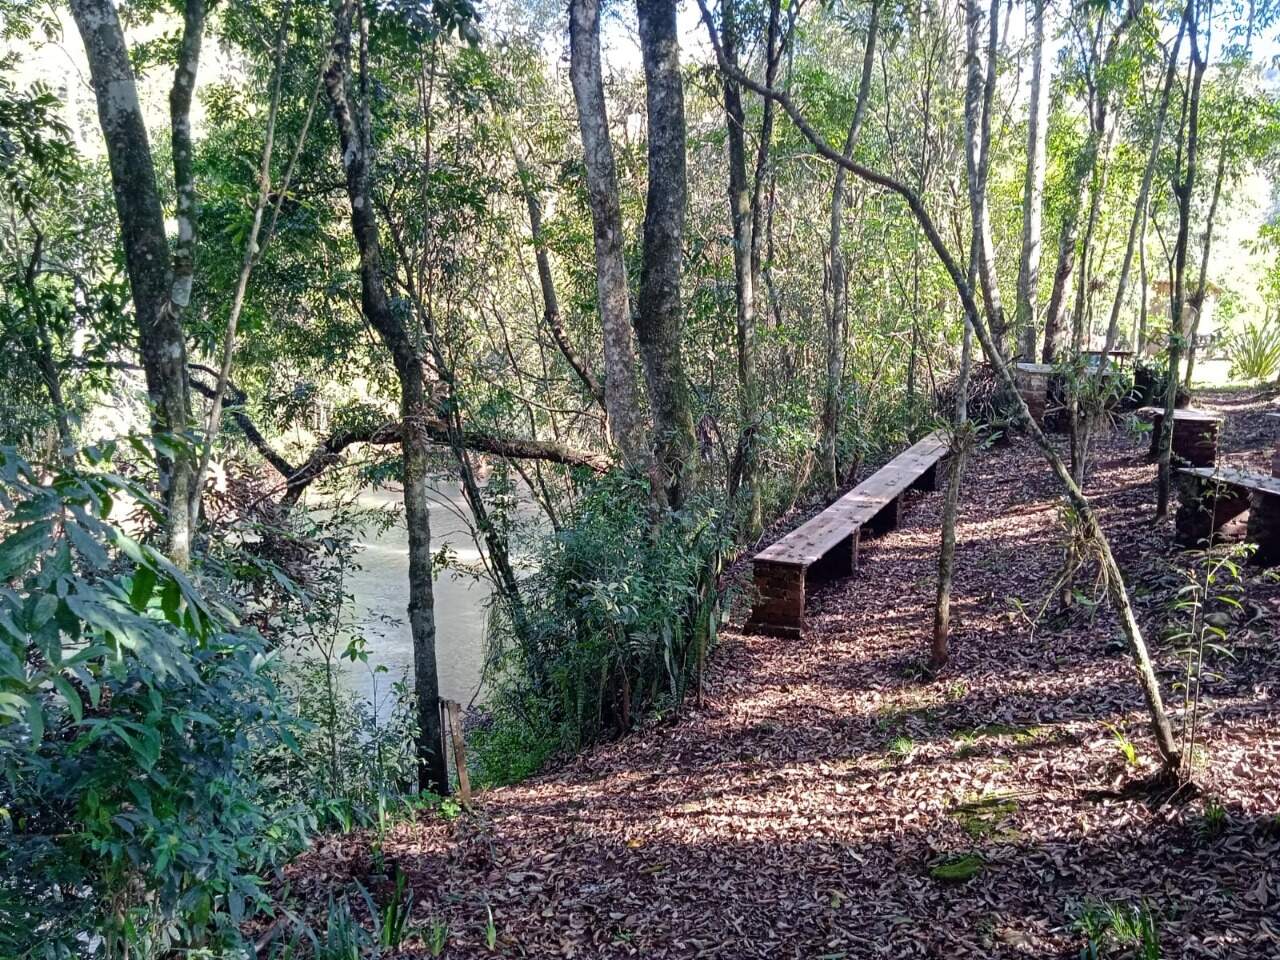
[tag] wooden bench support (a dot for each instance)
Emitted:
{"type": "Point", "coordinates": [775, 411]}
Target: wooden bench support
{"type": "Point", "coordinates": [887, 519]}
{"type": "Point", "coordinates": [933, 479]}
{"type": "Point", "coordinates": [1210, 499]}
{"type": "Point", "coordinates": [1264, 528]}
{"type": "Point", "coordinates": [1195, 435]}
{"type": "Point", "coordinates": [780, 594]}
{"type": "Point", "coordinates": [1204, 508]}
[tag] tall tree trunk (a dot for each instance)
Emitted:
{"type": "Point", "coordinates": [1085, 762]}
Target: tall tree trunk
{"type": "Point", "coordinates": [838, 318]}
{"type": "Point", "coordinates": [1197, 298]}
{"type": "Point", "coordinates": [1111, 574]}
{"type": "Point", "coordinates": [1177, 300]}
{"type": "Point", "coordinates": [356, 144]}
{"type": "Point", "coordinates": [979, 92]}
{"type": "Point", "coordinates": [659, 322]}
{"type": "Point", "coordinates": [159, 291]}
{"type": "Point", "coordinates": [1144, 191]}
{"type": "Point", "coordinates": [1033, 189]}
{"type": "Point", "coordinates": [744, 279]}
{"type": "Point", "coordinates": [622, 402]}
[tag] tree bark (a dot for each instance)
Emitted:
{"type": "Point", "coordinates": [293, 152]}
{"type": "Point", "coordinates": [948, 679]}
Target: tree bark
{"type": "Point", "coordinates": [1033, 189]}
{"type": "Point", "coordinates": [744, 280]}
{"type": "Point", "coordinates": [659, 321]}
{"type": "Point", "coordinates": [1177, 300]}
{"type": "Point", "coordinates": [838, 319]}
{"type": "Point", "coordinates": [1144, 191]}
{"type": "Point", "coordinates": [622, 406]}
{"type": "Point", "coordinates": [1197, 298]}
{"type": "Point", "coordinates": [979, 91]}
{"type": "Point", "coordinates": [356, 144]}
{"type": "Point", "coordinates": [153, 282]}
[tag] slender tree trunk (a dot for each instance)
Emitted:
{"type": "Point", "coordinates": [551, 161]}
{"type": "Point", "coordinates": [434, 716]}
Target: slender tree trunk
{"type": "Point", "coordinates": [1177, 301]}
{"type": "Point", "coordinates": [159, 291]}
{"type": "Point", "coordinates": [622, 403]}
{"type": "Point", "coordinates": [247, 261]}
{"type": "Point", "coordinates": [941, 650]}
{"type": "Point", "coordinates": [1198, 298]}
{"type": "Point", "coordinates": [659, 322]}
{"type": "Point", "coordinates": [744, 279]}
{"type": "Point", "coordinates": [838, 319]}
{"type": "Point", "coordinates": [1033, 189]}
{"type": "Point", "coordinates": [979, 91]}
{"type": "Point", "coordinates": [356, 144]}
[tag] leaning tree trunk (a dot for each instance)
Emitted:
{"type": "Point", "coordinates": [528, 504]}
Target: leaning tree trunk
{"type": "Point", "coordinates": [659, 322]}
{"type": "Point", "coordinates": [1033, 190]}
{"type": "Point", "coordinates": [1111, 574]}
{"type": "Point", "coordinates": [838, 319]}
{"type": "Point", "coordinates": [355, 141]}
{"type": "Point", "coordinates": [159, 291]}
{"type": "Point", "coordinates": [622, 402]}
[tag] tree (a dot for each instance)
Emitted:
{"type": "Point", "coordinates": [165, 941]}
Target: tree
{"type": "Point", "coordinates": [355, 139]}
{"type": "Point", "coordinates": [161, 288]}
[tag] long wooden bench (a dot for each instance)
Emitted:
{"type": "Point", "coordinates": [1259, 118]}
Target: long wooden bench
{"type": "Point", "coordinates": [1211, 499]}
{"type": "Point", "coordinates": [827, 546]}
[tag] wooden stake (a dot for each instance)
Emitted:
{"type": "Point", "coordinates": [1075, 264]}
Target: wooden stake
{"type": "Point", "coordinates": [453, 713]}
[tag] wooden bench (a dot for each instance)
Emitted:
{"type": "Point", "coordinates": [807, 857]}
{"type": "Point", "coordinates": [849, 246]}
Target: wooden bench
{"type": "Point", "coordinates": [1211, 499]}
{"type": "Point", "coordinates": [827, 546]}
{"type": "Point", "coordinates": [1195, 434]}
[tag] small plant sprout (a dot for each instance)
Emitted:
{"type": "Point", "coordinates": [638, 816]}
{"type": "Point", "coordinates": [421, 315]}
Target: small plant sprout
{"type": "Point", "coordinates": [436, 936]}
{"type": "Point", "coordinates": [1126, 746]}
{"type": "Point", "coordinates": [490, 928]}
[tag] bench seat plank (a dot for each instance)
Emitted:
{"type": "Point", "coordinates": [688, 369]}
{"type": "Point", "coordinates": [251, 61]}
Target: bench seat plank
{"type": "Point", "coordinates": [810, 542]}
{"type": "Point", "coordinates": [1236, 478]}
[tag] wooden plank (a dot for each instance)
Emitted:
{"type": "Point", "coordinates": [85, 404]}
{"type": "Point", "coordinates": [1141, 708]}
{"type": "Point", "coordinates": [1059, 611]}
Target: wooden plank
{"type": "Point", "coordinates": [1190, 414]}
{"type": "Point", "coordinates": [808, 543]}
{"type": "Point", "coordinates": [1236, 478]}
{"type": "Point", "coordinates": [453, 712]}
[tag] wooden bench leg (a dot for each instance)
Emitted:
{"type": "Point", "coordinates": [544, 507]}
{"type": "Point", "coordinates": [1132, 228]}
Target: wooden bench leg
{"type": "Point", "coordinates": [933, 479]}
{"type": "Point", "coordinates": [1264, 528]}
{"type": "Point", "coordinates": [779, 605]}
{"type": "Point", "coordinates": [887, 519]}
{"type": "Point", "coordinates": [1204, 508]}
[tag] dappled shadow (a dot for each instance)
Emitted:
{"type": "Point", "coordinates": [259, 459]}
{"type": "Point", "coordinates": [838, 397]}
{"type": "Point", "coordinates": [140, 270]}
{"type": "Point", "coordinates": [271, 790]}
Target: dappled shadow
{"type": "Point", "coordinates": [801, 809]}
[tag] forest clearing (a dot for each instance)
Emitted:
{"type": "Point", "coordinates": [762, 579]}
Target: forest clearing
{"type": "Point", "coordinates": [671, 479]}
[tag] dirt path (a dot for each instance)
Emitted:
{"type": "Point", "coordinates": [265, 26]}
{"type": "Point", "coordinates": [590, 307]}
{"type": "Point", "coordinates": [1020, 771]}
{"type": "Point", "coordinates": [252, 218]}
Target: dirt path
{"type": "Point", "coordinates": [805, 809]}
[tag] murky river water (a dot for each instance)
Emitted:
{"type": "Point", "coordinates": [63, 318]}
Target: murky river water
{"type": "Point", "coordinates": [380, 589]}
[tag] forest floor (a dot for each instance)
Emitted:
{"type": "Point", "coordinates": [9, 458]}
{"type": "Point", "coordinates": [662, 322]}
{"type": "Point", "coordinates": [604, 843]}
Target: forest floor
{"type": "Point", "coordinates": [805, 808]}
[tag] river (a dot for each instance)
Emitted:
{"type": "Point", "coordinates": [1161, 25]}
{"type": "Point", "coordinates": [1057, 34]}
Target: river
{"type": "Point", "coordinates": [380, 589]}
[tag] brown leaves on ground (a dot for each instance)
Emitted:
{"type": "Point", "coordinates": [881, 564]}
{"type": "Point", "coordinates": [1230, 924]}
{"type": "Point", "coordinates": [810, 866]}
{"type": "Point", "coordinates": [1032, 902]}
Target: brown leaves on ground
{"type": "Point", "coordinates": [829, 800]}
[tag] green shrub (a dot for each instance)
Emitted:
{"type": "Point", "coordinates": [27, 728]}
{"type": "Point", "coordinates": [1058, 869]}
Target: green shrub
{"type": "Point", "coordinates": [619, 614]}
{"type": "Point", "coordinates": [1255, 351]}
{"type": "Point", "coordinates": [130, 705]}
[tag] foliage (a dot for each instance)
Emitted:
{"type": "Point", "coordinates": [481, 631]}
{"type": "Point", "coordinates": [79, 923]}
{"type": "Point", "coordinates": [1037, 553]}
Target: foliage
{"type": "Point", "coordinates": [130, 705]}
{"type": "Point", "coordinates": [618, 625]}
{"type": "Point", "coordinates": [1255, 351]}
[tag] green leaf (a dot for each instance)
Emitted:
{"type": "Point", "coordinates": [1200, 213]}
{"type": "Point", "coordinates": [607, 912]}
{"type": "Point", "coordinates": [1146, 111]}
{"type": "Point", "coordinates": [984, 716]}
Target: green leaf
{"type": "Point", "coordinates": [20, 548]}
{"type": "Point", "coordinates": [144, 583]}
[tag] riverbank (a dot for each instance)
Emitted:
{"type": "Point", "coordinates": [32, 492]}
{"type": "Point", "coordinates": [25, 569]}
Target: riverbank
{"type": "Point", "coordinates": [828, 799]}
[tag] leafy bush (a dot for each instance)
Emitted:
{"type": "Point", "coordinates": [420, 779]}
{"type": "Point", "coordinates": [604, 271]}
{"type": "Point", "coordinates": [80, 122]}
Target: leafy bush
{"type": "Point", "coordinates": [1255, 351]}
{"type": "Point", "coordinates": [619, 618]}
{"type": "Point", "coordinates": [130, 705]}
